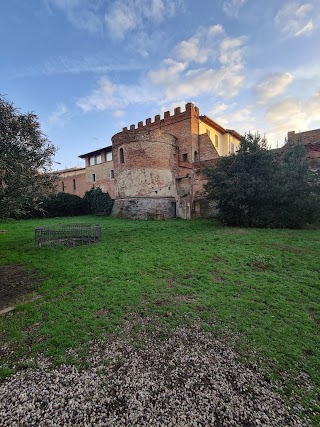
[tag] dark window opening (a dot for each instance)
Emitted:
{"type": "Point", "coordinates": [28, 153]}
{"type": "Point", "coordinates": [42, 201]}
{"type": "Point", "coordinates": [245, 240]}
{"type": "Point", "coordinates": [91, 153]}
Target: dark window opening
{"type": "Point", "coordinates": [196, 157]}
{"type": "Point", "coordinates": [93, 177]}
{"type": "Point", "coordinates": [112, 174]}
{"type": "Point", "coordinates": [184, 157]}
{"type": "Point", "coordinates": [74, 185]}
{"type": "Point", "coordinates": [62, 184]}
{"type": "Point", "coordinates": [121, 155]}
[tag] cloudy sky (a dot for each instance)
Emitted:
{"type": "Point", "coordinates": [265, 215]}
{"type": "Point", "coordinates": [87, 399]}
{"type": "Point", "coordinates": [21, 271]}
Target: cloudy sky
{"type": "Point", "coordinates": [89, 67]}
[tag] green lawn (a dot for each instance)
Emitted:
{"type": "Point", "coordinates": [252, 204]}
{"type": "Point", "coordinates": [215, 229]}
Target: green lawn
{"type": "Point", "coordinates": [264, 284]}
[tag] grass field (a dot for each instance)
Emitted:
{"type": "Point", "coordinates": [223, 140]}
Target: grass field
{"type": "Point", "coordinates": [263, 284]}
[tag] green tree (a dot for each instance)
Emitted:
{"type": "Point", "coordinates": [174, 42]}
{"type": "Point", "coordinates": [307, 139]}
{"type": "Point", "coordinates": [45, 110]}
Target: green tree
{"type": "Point", "coordinates": [25, 159]}
{"type": "Point", "coordinates": [97, 202]}
{"type": "Point", "coordinates": [259, 187]}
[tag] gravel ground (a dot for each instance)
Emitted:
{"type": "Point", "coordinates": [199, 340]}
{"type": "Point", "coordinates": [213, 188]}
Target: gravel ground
{"type": "Point", "coordinates": [147, 376]}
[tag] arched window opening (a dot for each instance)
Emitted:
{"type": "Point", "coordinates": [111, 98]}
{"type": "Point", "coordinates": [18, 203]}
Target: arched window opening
{"type": "Point", "coordinates": [121, 155]}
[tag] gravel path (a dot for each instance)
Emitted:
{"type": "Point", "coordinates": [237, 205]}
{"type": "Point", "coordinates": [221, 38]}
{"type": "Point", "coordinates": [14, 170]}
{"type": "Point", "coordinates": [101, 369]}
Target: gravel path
{"type": "Point", "coordinates": [147, 378]}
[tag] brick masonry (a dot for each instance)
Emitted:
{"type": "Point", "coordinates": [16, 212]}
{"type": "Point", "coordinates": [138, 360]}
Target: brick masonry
{"type": "Point", "coordinates": [311, 140]}
{"type": "Point", "coordinates": [157, 166]}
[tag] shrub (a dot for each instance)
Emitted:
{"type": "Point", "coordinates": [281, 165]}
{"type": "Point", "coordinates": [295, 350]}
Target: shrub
{"type": "Point", "coordinates": [97, 202]}
{"type": "Point", "coordinates": [259, 187]}
{"type": "Point", "coordinates": [63, 204]}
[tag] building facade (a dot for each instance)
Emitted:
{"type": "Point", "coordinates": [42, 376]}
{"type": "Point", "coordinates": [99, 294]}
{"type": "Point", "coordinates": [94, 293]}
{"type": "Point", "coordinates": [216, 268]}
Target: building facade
{"type": "Point", "coordinates": [156, 169]}
{"type": "Point", "coordinates": [310, 139]}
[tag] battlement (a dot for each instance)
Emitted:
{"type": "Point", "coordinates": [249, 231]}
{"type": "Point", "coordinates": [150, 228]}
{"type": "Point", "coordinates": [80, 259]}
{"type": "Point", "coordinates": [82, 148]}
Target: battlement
{"type": "Point", "coordinates": [307, 137]}
{"type": "Point", "coordinates": [190, 110]}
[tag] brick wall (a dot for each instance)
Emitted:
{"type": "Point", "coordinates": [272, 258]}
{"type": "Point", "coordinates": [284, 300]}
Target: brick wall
{"type": "Point", "coordinates": [308, 137]}
{"type": "Point", "coordinates": [311, 140]}
{"type": "Point", "coordinates": [72, 181]}
{"type": "Point", "coordinates": [149, 166]}
{"type": "Point", "coordinates": [103, 179]}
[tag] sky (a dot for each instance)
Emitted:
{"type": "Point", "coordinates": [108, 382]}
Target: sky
{"type": "Point", "coordinates": [87, 68]}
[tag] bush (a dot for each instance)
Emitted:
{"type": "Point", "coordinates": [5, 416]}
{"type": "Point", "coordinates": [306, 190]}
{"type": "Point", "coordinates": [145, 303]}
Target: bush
{"type": "Point", "coordinates": [264, 188]}
{"type": "Point", "coordinates": [63, 204]}
{"type": "Point", "coordinates": [97, 202]}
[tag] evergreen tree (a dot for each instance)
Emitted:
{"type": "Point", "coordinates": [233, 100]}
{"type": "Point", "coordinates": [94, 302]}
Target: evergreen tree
{"type": "Point", "coordinates": [258, 187]}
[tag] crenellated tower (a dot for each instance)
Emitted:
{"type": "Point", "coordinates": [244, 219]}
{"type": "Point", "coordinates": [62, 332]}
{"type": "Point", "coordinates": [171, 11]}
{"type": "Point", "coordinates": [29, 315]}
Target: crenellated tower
{"type": "Point", "coordinates": [153, 165]}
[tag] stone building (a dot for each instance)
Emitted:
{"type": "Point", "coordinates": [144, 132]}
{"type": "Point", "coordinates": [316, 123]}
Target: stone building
{"type": "Point", "coordinates": [310, 139]}
{"type": "Point", "coordinates": [156, 169]}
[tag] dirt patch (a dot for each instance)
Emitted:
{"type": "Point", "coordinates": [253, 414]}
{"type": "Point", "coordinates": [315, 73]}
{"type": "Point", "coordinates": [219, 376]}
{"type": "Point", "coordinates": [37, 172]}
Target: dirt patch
{"type": "Point", "coordinates": [15, 282]}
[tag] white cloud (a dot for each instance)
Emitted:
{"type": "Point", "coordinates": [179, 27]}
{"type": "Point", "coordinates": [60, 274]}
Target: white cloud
{"type": "Point", "coordinates": [96, 63]}
{"type": "Point", "coordinates": [241, 119]}
{"type": "Point", "coordinates": [232, 7]}
{"type": "Point", "coordinates": [215, 29]}
{"type": "Point", "coordinates": [82, 14]}
{"type": "Point", "coordinates": [118, 113]}
{"type": "Point", "coordinates": [122, 19]}
{"type": "Point", "coordinates": [110, 96]}
{"type": "Point", "coordinates": [222, 76]}
{"type": "Point", "coordinates": [232, 51]}
{"type": "Point", "coordinates": [173, 79]}
{"type": "Point", "coordinates": [101, 99]}
{"type": "Point", "coordinates": [127, 15]}
{"type": "Point", "coordinates": [217, 109]}
{"type": "Point", "coordinates": [296, 19]}
{"type": "Point", "coordinates": [272, 86]}
{"type": "Point", "coordinates": [202, 46]}
{"type": "Point", "coordinates": [293, 114]}
{"type": "Point", "coordinates": [170, 73]}
{"type": "Point", "coordinates": [189, 50]}
{"type": "Point", "coordinates": [118, 16]}
{"type": "Point", "coordinates": [57, 118]}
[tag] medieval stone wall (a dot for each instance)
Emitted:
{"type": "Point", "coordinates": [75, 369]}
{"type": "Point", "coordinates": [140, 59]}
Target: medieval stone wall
{"type": "Point", "coordinates": [145, 208]}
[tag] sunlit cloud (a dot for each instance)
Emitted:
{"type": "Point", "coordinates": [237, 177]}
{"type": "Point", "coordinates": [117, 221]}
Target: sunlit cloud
{"type": "Point", "coordinates": [221, 74]}
{"type": "Point", "coordinates": [272, 86]}
{"type": "Point", "coordinates": [292, 113]}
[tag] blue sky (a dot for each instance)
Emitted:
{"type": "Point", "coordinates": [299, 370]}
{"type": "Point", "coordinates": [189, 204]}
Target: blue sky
{"type": "Point", "coordinates": [89, 67]}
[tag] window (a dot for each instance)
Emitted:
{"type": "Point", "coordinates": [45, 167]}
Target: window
{"type": "Point", "coordinates": [112, 174]}
{"type": "Point", "coordinates": [109, 156]}
{"type": "Point", "coordinates": [92, 161]}
{"type": "Point", "coordinates": [196, 157]}
{"type": "Point", "coordinates": [62, 185]}
{"type": "Point", "coordinates": [74, 185]}
{"type": "Point", "coordinates": [184, 157]}
{"type": "Point", "coordinates": [208, 132]}
{"type": "Point", "coordinates": [93, 177]}
{"type": "Point", "coordinates": [121, 155]}
{"type": "Point", "coordinates": [216, 141]}
{"type": "Point", "coordinates": [98, 159]}
{"type": "Point", "coordinates": [231, 148]}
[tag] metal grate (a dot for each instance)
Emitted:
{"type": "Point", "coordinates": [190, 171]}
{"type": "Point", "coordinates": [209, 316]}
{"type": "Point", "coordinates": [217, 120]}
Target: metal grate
{"type": "Point", "coordinates": [67, 235]}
